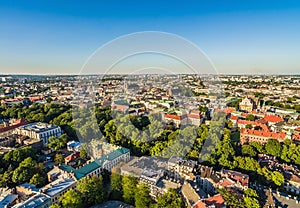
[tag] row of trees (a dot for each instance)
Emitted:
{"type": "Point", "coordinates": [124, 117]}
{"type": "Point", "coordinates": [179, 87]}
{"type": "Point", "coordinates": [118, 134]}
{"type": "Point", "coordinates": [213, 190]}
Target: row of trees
{"type": "Point", "coordinates": [287, 151]}
{"type": "Point", "coordinates": [288, 105]}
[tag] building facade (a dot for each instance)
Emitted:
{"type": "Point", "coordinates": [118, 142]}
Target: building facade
{"type": "Point", "coordinates": [41, 131]}
{"type": "Point", "coordinates": [246, 105]}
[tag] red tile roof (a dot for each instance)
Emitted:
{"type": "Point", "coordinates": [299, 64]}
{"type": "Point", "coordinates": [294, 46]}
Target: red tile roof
{"type": "Point", "coordinates": [72, 156]}
{"type": "Point", "coordinates": [216, 200]}
{"type": "Point", "coordinates": [193, 116]}
{"type": "Point", "coordinates": [225, 110]}
{"type": "Point", "coordinates": [229, 110]}
{"type": "Point", "coordinates": [268, 134]}
{"type": "Point", "coordinates": [272, 118]}
{"type": "Point", "coordinates": [244, 115]}
{"type": "Point", "coordinates": [234, 117]}
{"type": "Point", "coordinates": [243, 179]}
{"type": "Point", "coordinates": [254, 123]}
{"type": "Point", "coordinates": [296, 137]}
{"type": "Point", "coordinates": [225, 183]}
{"type": "Point", "coordinates": [171, 116]}
{"type": "Point", "coordinates": [35, 98]}
{"type": "Point", "coordinates": [200, 204]}
{"type": "Point", "coordinates": [17, 124]}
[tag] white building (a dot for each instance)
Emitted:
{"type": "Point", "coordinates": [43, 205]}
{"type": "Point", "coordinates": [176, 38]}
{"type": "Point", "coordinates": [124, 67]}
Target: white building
{"type": "Point", "coordinates": [41, 131]}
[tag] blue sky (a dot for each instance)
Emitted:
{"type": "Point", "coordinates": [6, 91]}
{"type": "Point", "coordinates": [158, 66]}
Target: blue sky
{"type": "Point", "coordinates": [56, 37]}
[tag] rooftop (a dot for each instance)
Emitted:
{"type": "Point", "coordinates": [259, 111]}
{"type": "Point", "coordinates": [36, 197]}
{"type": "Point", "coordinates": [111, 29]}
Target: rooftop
{"type": "Point", "coordinates": [86, 169]}
{"type": "Point", "coordinates": [38, 127]}
{"type": "Point", "coordinates": [189, 193]}
{"type": "Point", "coordinates": [268, 134]}
{"type": "Point", "coordinates": [34, 201]}
{"type": "Point", "coordinates": [8, 199]}
{"type": "Point", "coordinates": [57, 186]}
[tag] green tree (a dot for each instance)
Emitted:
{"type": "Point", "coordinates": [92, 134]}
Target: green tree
{"type": "Point", "coordinates": [38, 180]}
{"type": "Point", "coordinates": [273, 147]}
{"type": "Point", "coordinates": [48, 99]}
{"type": "Point", "coordinates": [28, 163]}
{"type": "Point", "coordinates": [21, 175]}
{"type": "Point", "coordinates": [251, 202]}
{"type": "Point", "coordinates": [142, 197]}
{"type": "Point", "coordinates": [251, 198]}
{"type": "Point", "coordinates": [116, 185]}
{"type": "Point", "coordinates": [54, 206]}
{"type": "Point", "coordinates": [171, 199]}
{"type": "Point", "coordinates": [250, 117]}
{"type": "Point", "coordinates": [248, 150]}
{"type": "Point", "coordinates": [231, 199]}
{"type": "Point", "coordinates": [251, 193]}
{"type": "Point", "coordinates": [72, 199]}
{"type": "Point", "coordinates": [84, 151]}
{"type": "Point", "coordinates": [258, 146]}
{"type": "Point", "coordinates": [56, 143]}
{"type": "Point", "coordinates": [92, 190]}
{"type": "Point", "coordinates": [277, 178]}
{"type": "Point", "coordinates": [249, 126]}
{"type": "Point", "coordinates": [59, 159]}
{"type": "Point", "coordinates": [129, 188]}
{"type": "Point", "coordinates": [6, 179]}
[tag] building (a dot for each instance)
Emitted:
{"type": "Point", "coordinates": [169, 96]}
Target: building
{"type": "Point", "coordinates": [36, 201]}
{"type": "Point", "coordinates": [151, 177]}
{"type": "Point", "coordinates": [58, 188]}
{"type": "Point", "coordinates": [194, 119]}
{"type": "Point", "coordinates": [26, 190]}
{"type": "Point", "coordinates": [8, 141]}
{"type": "Point", "coordinates": [41, 131]}
{"type": "Point", "coordinates": [246, 105]}
{"type": "Point", "coordinates": [272, 119]}
{"type": "Point", "coordinates": [207, 179]}
{"type": "Point", "coordinates": [216, 201]}
{"type": "Point", "coordinates": [74, 146]}
{"type": "Point", "coordinates": [60, 171]}
{"type": "Point", "coordinates": [292, 183]}
{"type": "Point", "coordinates": [243, 123]}
{"type": "Point", "coordinates": [120, 105]}
{"type": "Point", "coordinates": [190, 196]}
{"type": "Point", "coordinates": [235, 179]}
{"type": "Point", "coordinates": [152, 172]}
{"type": "Point", "coordinates": [70, 159]}
{"type": "Point", "coordinates": [177, 120]}
{"type": "Point", "coordinates": [8, 201]}
{"type": "Point", "coordinates": [8, 129]}
{"type": "Point", "coordinates": [107, 162]}
{"type": "Point", "coordinates": [249, 135]}
{"type": "Point", "coordinates": [184, 168]}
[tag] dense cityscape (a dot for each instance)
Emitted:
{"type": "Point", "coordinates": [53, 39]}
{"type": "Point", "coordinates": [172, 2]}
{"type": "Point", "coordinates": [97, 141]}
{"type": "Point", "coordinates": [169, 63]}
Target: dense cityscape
{"type": "Point", "coordinates": [150, 141]}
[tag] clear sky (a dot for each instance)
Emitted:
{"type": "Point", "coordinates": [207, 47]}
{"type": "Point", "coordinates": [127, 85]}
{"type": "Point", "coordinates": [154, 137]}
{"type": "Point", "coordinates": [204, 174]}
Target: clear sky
{"type": "Point", "coordinates": [56, 37]}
